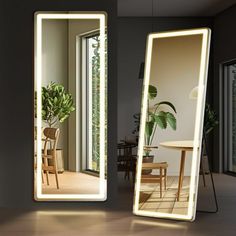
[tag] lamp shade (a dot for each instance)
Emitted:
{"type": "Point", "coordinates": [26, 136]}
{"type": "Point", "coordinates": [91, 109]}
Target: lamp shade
{"type": "Point", "coordinates": [193, 93]}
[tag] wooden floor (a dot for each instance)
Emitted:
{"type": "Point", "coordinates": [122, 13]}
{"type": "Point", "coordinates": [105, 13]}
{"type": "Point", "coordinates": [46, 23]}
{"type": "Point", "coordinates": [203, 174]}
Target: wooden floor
{"type": "Point", "coordinates": [150, 197]}
{"type": "Point", "coordinates": [72, 183]}
{"type": "Point", "coordinates": [117, 218]}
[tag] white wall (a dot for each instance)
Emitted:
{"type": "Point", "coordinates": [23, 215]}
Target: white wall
{"type": "Point", "coordinates": [55, 64]}
{"type": "Point", "coordinates": [175, 71]}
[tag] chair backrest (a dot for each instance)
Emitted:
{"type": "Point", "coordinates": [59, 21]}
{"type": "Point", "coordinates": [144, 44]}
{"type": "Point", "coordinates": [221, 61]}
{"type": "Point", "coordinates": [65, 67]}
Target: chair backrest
{"type": "Point", "coordinates": [52, 136]}
{"type": "Point", "coordinates": [51, 133]}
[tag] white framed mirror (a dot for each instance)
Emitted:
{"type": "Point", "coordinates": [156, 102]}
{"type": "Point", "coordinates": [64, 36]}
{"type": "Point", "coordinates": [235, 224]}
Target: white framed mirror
{"type": "Point", "coordinates": [171, 125]}
{"type": "Point", "coordinates": [70, 106]}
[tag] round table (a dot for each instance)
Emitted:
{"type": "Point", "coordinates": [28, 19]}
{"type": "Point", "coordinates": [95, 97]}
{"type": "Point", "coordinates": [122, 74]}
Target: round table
{"type": "Point", "coordinates": [183, 146]}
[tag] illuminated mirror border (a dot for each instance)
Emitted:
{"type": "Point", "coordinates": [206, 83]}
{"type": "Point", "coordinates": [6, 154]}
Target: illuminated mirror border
{"type": "Point", "coordinates": [198, 129]}
{"type": "Point", "coordinates": [39, 17]}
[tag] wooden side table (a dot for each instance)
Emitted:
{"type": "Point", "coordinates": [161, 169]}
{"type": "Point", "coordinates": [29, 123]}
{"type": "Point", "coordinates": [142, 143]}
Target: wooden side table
{"type": "Point", "coordinates": [183, 146]}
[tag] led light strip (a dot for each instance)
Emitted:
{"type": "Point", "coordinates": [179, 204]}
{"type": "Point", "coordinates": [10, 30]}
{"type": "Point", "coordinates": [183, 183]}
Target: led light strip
{"type": "Point", "coordinates": [101, 196]}
{"type": "Point", "coordinates": [198, 123]}
{"type": "Point", "coordinates": [102, 105]}
{"type": "Point", "coordinates": [142, 122]}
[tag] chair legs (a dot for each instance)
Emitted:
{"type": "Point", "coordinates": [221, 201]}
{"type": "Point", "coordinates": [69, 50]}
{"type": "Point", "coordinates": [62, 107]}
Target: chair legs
{"type": "Point", "coordinates": [56, 175]}
{"type": "Point", "coordinates": [47, 178]}
{"type": "Point", "coordinates": [42, 177]}
{"type": "Point", "coordinates": [165, 180]}
{"type": "Point", "coordinates": [162, 178]}
{"type": "Point", "coordinates": [54, 170]}
{"type": "Point", "coordinates": [161, 182]}
{"type": "Point", "coordinates": [47, 172]}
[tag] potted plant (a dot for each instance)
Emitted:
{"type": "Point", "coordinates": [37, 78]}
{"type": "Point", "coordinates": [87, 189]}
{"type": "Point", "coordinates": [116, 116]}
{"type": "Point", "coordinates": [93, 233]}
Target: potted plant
{"type": "Point", "coordinates": [156, 117]}
{"type": "Point", "coordinates": [57, 106]}
{"type": "Point", "coordinates": [210, 122]}
{"type": "Point", "coordinates": [135, 131]}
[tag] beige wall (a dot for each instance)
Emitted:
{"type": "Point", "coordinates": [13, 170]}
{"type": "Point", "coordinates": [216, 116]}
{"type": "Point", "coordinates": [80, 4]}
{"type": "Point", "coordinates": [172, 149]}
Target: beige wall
{"type": "Point", "coordinates": [55, 64]}
{"type": "Point", "coordinates": [175, 71]}
{"type": "Point", "coordinates": [76, 27]}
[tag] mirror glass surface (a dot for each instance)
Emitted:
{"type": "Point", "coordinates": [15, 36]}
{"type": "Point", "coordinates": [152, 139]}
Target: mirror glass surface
{"type": "Point", "coordinates": [70, 106]}
{"type": "Point", "coordinates": [171, 124]}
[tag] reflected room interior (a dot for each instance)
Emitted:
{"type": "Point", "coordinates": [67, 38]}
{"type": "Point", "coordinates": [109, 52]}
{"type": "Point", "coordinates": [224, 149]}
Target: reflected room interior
{"type": "Point", "coordinates": [70, 106]}
{"type": "Point", "coordinates": [169, 132]}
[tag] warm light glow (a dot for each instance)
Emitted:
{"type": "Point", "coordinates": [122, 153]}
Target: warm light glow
{"type": "Point", "coordinates": [155, 223]}
{"type": "Point", "coordinates": [193, 93]}
{"type": "Point", "coordinates": [202, 83]}
{"type": "Point", "coordinates": [71, 213]}
{"type": "Point", "coordinates": [39, 196]}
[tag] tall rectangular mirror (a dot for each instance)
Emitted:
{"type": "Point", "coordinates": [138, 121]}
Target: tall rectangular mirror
{"type": "Point", "coordinates": [70, 106]}
{"type": "Point", "coordinates": [171, 124]}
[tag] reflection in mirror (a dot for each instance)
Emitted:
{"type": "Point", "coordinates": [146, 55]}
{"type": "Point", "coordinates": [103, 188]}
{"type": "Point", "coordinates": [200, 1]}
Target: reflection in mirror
{"type": "Point", "coordinates": [70, 106]}
{"type": "Point", "coordinates": [171, 124]}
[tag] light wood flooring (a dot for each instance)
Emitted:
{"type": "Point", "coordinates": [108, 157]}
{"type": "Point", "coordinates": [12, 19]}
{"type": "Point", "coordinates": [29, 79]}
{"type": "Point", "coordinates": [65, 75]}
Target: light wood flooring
{"type": "Point", "coordinates": [72, 183]}
{"type": "Point", "coordinates": [150, 197]}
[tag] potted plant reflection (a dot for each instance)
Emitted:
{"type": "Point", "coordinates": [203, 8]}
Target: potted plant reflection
{"type": "Point", "coordinates": [157, 117]}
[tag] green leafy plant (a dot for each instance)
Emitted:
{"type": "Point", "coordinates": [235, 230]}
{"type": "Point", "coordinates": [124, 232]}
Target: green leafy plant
{"type": "Point", "coordinates": [210, 119]}
{"type": "Point", "coordinates": [57, 104]}
{"type": "Point", "coordinates": [156, 117]}
{"type": "Point", "coordinates": [96, 101]}
{"type": "Point", "coordinates": [136, 117]}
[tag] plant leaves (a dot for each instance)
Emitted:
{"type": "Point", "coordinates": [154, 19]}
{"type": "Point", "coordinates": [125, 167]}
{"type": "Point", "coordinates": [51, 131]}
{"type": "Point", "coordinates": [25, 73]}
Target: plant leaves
{"type": "Point", "coordinates": [171, 120]}
{"type": "Point", "coordinates": [160, 119]}
{"type": "Point", "coordinates": [57, 104]}
{"type": "Point", "coordinates": [166, 103]}
{"type": "Point", "coordinates": [149, 128]}
{"type": "Point", "coordinates": [152, 92]}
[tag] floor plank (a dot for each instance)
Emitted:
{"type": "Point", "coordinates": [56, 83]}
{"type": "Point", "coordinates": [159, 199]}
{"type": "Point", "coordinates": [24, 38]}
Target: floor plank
{"type": "Point", "coordinates": [71, 183]}
{"type": "Point", "coordinates": [168, 202]}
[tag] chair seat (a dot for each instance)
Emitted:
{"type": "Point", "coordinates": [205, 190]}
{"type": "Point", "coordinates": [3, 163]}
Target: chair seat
{"type": "Point", "coordinates": [48, 168]}
{"type": "Point", "coordinates": [151, 166]}
{"type": "Point", "coordinates": [47, 156]}
{"type": "Point", "coordinates": [152, 178]}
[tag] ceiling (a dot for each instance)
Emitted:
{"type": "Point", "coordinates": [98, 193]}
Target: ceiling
{"type": "Point", "coordinates": [172, 8]}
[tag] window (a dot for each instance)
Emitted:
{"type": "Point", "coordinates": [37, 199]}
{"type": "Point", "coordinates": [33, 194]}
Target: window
{"type": "Point", "coordinates": [91, 97]}
{"type": "Point", "coordinates": [93, 81]}
{"type": "Point", "coordinates": [230, 117]}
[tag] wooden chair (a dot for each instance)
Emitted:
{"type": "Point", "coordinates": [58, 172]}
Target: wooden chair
{"type": "Point", "coordinates": [126, 161]}
{"type": "Point", "coordinates": [153, 178]}
{"type": "Point", "coordinates": [35, 151]}
{"type": "Point", "coordinates": [51, 140]}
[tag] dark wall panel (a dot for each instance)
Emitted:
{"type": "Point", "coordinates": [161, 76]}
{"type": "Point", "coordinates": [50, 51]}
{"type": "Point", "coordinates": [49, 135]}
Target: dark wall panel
{"type": "Point", "coordinates": [16, 96]}
{"type": "Point", "coordinates": [225, 50]}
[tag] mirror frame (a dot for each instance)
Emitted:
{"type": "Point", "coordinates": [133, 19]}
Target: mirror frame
{"type": "Point", "coordinates": [198, 129]}
{"type": "Point", "coordinates": [38, 18]}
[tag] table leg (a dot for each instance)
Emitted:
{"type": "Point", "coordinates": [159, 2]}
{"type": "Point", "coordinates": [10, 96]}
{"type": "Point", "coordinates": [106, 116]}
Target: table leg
{"type": "Point", "coordinates": [181, 173]}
